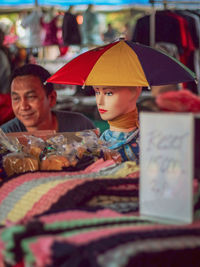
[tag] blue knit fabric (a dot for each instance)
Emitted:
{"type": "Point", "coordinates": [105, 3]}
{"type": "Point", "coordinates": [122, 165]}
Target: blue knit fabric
{"type": "Point", "coordinates": [127, 144]}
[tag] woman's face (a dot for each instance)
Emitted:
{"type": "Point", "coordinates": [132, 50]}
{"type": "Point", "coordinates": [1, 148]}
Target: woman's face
{"type": "Point", "coordinates": [113, 101]}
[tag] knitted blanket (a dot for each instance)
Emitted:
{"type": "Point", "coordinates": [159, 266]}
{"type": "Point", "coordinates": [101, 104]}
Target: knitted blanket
{"type": "Point", "coordinates": [98, 238]}
{"type": "Point", "coordinates": [87, 218]}
{"type": "Point", "coordinates": [31, 194]}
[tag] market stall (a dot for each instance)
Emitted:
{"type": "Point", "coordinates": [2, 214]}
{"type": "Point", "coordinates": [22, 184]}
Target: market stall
{"type": "Point", "coordinates": [82, 208]}
{"type": "Point", "coordinates": [66, 199]}
{"type": "Point", "coordinates": [89, 217]}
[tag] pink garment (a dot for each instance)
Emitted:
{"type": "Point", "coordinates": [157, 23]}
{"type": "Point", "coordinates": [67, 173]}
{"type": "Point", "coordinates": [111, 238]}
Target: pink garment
{"type": "Point", "coordinates": [50, 32]}
{"type": "Point", "coordinates": [10, 39]}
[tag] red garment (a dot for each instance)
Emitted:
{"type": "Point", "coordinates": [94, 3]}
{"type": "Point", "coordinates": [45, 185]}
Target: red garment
{"type": "Point", "coordinates": [6, 112]}
{"type": "Point", "coordinates": [19, 264]}
{"type": "Point", "coordinates": [179, 101]}
{"type": "Point", "coordinates": [187, 42]}
{"type": "Point", "coordinates": [63, 50]}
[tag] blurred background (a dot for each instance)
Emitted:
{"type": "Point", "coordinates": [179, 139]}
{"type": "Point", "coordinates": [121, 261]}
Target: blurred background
{"type": "Point", "coordinates": [51, 33]}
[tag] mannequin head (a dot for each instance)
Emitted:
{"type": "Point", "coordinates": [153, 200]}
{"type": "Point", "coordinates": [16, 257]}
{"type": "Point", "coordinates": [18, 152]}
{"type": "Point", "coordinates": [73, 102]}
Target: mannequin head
{"type": "Point", "coordinates": [115, 101]}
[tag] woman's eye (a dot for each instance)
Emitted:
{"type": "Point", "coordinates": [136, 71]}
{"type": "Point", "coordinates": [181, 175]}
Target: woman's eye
{"type": "Point", "coordinates": [109, 93]}
{"type": "Point", "coordinates": [97, 93]}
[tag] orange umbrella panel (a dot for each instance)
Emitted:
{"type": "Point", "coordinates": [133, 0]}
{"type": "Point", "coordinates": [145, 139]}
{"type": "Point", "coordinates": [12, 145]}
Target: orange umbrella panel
{"type": "Point", "coordinates": [118, 66]}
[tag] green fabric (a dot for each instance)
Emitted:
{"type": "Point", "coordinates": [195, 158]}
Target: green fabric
{"type": "Point", "coordinates": [102, 125]}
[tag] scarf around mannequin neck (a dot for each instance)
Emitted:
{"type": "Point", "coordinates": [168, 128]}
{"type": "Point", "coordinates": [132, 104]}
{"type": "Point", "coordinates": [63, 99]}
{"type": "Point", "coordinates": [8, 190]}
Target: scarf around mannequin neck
{"type": "Point", "coordinates": [126, 121]}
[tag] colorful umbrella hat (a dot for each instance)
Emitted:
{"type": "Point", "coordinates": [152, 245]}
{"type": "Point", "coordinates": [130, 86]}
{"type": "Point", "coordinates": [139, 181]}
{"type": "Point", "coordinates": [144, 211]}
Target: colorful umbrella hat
{"type": "Point", "coordinates": [123, 63]}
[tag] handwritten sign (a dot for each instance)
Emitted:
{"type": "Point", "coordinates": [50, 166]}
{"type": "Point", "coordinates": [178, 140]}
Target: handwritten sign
{"type": "Point", "coordinates": [167, 165]}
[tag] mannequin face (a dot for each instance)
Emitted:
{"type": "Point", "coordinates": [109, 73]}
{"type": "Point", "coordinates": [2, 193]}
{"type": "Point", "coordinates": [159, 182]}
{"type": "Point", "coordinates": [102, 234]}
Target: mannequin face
{"type": "Point", "coordinates": [113, 101]}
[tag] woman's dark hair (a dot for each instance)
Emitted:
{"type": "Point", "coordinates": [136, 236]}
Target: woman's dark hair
{"type": "Point", "coordinates": [35, 70]}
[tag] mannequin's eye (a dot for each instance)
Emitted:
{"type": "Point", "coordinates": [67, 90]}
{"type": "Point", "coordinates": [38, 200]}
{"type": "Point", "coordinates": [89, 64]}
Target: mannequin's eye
{"type": "Point", "coordinates": [109, 93]}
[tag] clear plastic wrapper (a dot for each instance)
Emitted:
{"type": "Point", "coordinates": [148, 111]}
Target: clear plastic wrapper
{"type": "Point", "coordinates": [7, 146]}
{"type": "Point", "coordinates": [70, 151]}
{"type": "Point", "coordinates": [35, 146]}
{"type": "Point", "coordinates": [19, 162]}
{"type": "Point", "coordinates": [10, 143]}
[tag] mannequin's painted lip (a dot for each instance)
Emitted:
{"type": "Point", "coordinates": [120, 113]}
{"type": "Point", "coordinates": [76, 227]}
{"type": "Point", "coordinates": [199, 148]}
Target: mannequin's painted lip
{"type": "Point", "coordinates": [102, 110]}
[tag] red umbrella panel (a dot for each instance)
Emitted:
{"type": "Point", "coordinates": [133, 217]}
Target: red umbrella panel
{"type": "Point", "coordinates": [123, 63]}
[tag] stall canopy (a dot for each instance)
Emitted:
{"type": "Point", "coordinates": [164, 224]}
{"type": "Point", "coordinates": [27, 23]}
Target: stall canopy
{"type": "Point", "coordinates": [64, 3]}
{"type": "Point", "coordinates": [16, 3]}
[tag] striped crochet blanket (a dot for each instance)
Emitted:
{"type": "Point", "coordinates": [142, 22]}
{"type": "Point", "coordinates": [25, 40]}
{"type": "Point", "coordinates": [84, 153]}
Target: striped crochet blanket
{"type": "Point", "coordinates": [31, 194]}
{"type": "Point", "coordinates": [98, 238]}
{"type": "Point", "coordinates": [87, 218]}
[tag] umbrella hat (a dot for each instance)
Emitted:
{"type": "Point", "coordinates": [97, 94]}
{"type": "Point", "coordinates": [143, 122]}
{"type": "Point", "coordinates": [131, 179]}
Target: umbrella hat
{"type": "Point", "coordinates": [123, 63]}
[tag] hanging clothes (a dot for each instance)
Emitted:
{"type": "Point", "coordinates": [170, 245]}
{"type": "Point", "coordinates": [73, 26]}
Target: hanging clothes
{"type": "Point", "coordinates": [167, 29]}
{"type": "Point", "coordinates": [91, 27]}
{"type": "Point", "coordinates": [31, 23]}
{"type": "Point", "coordinates": [174, 27]}
{"type": "Point", "coordinates": [50, 31]}
{"type": "Point", "coordinates": [70, 30]}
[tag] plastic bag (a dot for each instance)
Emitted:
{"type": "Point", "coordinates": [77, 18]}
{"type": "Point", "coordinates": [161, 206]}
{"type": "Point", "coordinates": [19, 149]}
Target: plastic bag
{"type": "Point", "coordinates": [75, 151]}
{"type": "Point", "coordinates": [19, 162]}
{"type": "Point", "coordinates": [11, 143]}
{"type": "Point", "coordinates": [7, 146]}
{"type": "Point", "coordinates": [70, 151]}
{"type": "Point", "coordinates": [35, 146]}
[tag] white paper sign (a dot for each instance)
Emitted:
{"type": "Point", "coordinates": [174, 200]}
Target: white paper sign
{"type": "Point", "coordinates": [167, 165]}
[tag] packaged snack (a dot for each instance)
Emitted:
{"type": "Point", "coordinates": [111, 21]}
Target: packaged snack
{"type": "Point", "coordinates": [54, 162]}
{"type": "Point", "coordinates": [70, 151]}
{"type": "Point", "coordinates": [19, 162]}
{"type": "Point", "coordinates": [10, 143]}
{"type": "Point", "coordinates": [35, 146]}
